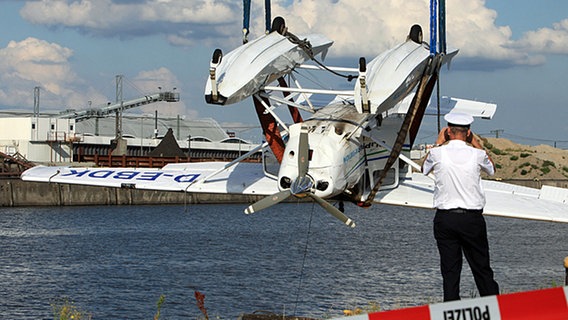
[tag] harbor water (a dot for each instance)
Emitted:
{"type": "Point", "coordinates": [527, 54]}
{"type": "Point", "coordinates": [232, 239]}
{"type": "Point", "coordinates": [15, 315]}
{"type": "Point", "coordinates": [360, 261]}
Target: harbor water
{"type": "Point", "coordinates": [114, 262]}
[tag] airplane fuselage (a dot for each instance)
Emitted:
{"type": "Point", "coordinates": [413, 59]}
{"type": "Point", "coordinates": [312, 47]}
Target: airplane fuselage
{"type": "Point", "coordinates": [339, 157]}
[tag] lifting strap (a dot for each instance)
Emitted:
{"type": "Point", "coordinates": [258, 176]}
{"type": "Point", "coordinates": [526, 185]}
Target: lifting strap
{"type": "Point", "coordinates": [246, 18]}
{"type": "Point", "coordinates": [270, 129]}
{"type": "Point", "coordinates": [420, 101]}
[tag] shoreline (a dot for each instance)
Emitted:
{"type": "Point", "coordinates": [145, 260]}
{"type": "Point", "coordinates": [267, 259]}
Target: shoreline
{"type": "Point", "coordinates": [17, 193]}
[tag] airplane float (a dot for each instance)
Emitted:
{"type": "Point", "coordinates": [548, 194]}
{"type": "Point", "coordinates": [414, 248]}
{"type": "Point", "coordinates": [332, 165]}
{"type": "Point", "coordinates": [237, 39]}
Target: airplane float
{"type": "Point", "coordinates": [353, 149]}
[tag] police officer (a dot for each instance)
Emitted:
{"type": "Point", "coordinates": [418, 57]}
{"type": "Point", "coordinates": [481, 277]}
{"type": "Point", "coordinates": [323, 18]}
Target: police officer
{"type": "Point", "coordinates": [459, 227]}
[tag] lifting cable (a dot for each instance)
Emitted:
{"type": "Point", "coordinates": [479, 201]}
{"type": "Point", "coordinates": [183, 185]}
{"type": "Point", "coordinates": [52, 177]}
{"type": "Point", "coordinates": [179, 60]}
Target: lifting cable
{"type": "Point", "coordinates": [304, 258]}
{"type": "Point", "coordinates": [306, 46]}
{"type": "Point", "coordinates": [303, 44]}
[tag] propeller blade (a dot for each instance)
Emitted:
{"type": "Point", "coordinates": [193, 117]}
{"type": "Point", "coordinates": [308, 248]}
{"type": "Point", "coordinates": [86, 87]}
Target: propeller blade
{"type": "Point", "coordinates": [333, 210]}
{"type": "Point", "coordinates": [268, 201]}
{"type": "Point", "coordinates": [303, 152]}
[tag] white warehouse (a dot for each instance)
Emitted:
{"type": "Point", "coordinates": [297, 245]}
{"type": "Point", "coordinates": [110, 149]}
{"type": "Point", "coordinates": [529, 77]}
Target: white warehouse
{"type": "Point", "coordinates": [38, 139]}
{"type": "Point", "coordinates": [51, 139]}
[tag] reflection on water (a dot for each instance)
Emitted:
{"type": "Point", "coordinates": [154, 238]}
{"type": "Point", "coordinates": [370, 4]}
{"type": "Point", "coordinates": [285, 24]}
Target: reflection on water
{"type": "Point", "coordinates": [115, 262]}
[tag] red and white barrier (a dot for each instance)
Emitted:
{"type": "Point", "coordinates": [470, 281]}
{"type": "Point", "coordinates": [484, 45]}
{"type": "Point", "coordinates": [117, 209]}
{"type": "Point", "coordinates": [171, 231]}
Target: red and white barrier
{"type": "Point", "coordinates": [544, 304]}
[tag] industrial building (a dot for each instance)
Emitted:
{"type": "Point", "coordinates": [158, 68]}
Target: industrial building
{"type": "Point", "coordinates": [48, 139]}
{"type": "Point", "coordinates": [100, 135]}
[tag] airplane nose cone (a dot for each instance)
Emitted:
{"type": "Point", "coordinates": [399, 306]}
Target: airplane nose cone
{"type": "Point", "coordinates": [301, 185]}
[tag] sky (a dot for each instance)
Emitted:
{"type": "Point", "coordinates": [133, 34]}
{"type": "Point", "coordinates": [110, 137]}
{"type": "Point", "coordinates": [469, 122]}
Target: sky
{"type": "Point", "coordinates": [512, 53]}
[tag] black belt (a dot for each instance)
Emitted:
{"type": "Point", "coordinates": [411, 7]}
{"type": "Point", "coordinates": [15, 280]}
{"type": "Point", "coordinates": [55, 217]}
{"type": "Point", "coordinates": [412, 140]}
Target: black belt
{"type": "Point", "coordinates": [460, 210]}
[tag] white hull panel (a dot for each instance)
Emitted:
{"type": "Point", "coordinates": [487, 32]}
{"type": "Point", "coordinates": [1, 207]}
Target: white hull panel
{"type": "Point", "coordinates": [245, 70]}
{"type": "Point", "coordinates": [392, 75]}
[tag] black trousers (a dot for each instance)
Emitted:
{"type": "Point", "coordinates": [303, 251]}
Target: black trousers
{"type": "Point", "coordinates": [460, 231]}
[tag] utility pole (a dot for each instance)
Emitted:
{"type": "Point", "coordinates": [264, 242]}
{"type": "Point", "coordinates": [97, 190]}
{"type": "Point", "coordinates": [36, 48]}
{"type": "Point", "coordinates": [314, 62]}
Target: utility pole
{"type": "Point", "coordinates": [36, 102]}
{"type": "Point", "coordinates": [119, 144]}
{"type": "Point", "coordinates": [497, 132]}
{"type": "Point", "coordinates": [36, 112]}
{"type": "Point", "coordinates": [120, 100]}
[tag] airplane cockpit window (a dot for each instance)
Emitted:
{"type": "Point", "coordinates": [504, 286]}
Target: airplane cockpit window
{"type": "Point", "coordinates": [270, 164]}
{"type": "Point", "coordinates": [391, 179]}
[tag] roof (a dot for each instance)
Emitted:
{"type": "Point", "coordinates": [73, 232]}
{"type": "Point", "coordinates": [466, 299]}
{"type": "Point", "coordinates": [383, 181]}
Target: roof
{"type": "Point", "coordinates": [143, 127]}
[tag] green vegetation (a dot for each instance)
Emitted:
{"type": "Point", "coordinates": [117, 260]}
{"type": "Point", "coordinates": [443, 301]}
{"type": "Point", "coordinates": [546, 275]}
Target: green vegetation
{"type": "Point", "coordinates": [524, 155]}
{"type": "Point", "coordinates": [545, 170]}
{"type": "Point", "coordinates": [498, 151]}
{"type": "Point", "coordinates": [371, 307]}
{"type": "Point", "coordinates": [526, 164]}
{"type": "Point", "coordinates": [64, 309]}
{"type": "Point", "coordinates": [161, 301]}
{"type": "Point", "coordinates": [548, 163]}
{"type": "Point", "coordinates": [514, 158]}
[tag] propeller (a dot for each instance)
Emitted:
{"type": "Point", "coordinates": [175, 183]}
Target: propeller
{"type": "Point", "coordinates": [301, 187]}
{"type": "Point", "coordinates": [268, 201]}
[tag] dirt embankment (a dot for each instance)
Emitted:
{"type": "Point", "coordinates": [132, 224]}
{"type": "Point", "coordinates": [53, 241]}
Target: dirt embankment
{"type": "Point", "coordinates": [517, 161]}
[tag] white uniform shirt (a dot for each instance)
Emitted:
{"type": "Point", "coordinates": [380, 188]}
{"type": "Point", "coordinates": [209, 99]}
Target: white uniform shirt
{"type": "Point", "coordinates": [457, 167]}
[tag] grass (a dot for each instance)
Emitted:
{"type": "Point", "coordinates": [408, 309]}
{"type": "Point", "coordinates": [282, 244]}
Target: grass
{"type": "Point", "coordinates": [160, 302]}
{"type": "Point", "coordinates": [371, 307]}
{"type": "Point", "coordinates": [65, 309]}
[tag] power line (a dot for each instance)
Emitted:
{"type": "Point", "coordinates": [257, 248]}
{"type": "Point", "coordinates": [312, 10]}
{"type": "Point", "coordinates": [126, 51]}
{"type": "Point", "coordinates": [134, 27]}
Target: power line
{"type": "Point", "coordinates": [527, 140]}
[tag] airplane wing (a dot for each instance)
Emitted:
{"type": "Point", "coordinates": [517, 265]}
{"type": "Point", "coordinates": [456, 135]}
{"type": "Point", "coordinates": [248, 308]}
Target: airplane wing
{"type": "Point", "coordinates": [478, 109]}
{"type": "Point", "coordinates": [503, 199]}
{"type": "Point", "coordinates": [203, 177]}
{"type": "Point", "coordinates": [474, 108]}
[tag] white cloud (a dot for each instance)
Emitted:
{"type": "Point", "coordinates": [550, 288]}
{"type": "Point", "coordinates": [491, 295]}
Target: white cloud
{"type": "Point", "coordinates": [367, 28]}
{"type": "Point", "coordinates": [546, 40]}
{"type": "Point", "coordinates": [33, 62]}
{"type": "Point", "coordinates": [359, 28]}
{"type": "Point", "coordinates": [136, 18]}
{"type": "Point", "coordinates": [37, 63]}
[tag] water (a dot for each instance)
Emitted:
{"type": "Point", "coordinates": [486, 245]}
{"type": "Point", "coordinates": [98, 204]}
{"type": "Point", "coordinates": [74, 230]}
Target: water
{"type": "Point", "coordinates": [115, 262]}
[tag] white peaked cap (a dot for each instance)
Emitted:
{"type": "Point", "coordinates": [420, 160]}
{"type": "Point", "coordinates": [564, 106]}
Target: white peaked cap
{"type": "Point", "coordinates": [458, 119]}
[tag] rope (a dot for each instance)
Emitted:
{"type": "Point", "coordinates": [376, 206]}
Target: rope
{"type": "Point", "coordinates": [307, 47]}
{"type": "Point", "coordinates": [304, 258]}
{"type": "Point", "coordinates": [349, 77]}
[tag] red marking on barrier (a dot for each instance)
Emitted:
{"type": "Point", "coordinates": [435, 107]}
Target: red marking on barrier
{"type": "Point", "coordinates": [414, 313]}
{"type": "Point", "coordinates": [546, 304]}
{"type": "Point", "coordinates": [540, 304]}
